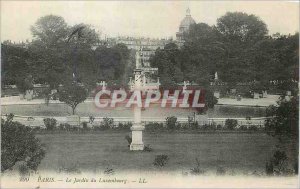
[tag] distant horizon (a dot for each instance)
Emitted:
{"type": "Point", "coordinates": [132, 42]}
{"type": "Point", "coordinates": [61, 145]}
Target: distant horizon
{"type": "Point", "coordinates": [154, 20]}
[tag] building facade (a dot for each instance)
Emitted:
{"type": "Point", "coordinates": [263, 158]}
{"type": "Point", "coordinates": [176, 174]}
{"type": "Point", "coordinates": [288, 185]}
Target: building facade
{"type": "Point", "coordinates": [151, 44]}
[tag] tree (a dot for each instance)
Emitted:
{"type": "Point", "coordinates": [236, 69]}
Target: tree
{"type": "Point", "coordinates": [18, 143]}
{"type": "Point", "coordinates": [15, 64]}
{"type": "Point", "coordinates": [277, 60]}
{"type": "Point", "coordinates": [210, 99]}
{"type": "Point", "coordinates": [50, 30]}
{"type": "Point", "coordinates": [284, 118]}
{"type": "Point", "coordinates": [283, 122]}
{"type": "Point", "coordinates": [239, 26]}
{"type": "Point", "coordinates": [231, 124]}
{"type": "Point", "coordinates": [24, 84]}
{"type": "Point", "coordinates": [72, 94]}
{"type": "Point", "coordinates": [171, 122]}
{"type": "Point", "coordinates": [86, 37]}
{"type": "Point", "coordinates": [59, 51]}
{"type": "Point", "coordinates": [49, 49]}
{"type": "Point", "coordinates": [259, 86]}
{"type": "Point", "coordinates": [239, 32]}
{"type": "Point", "coordinates": [168, 64]}
{"type": "Point", "coordinates": [112, 64]}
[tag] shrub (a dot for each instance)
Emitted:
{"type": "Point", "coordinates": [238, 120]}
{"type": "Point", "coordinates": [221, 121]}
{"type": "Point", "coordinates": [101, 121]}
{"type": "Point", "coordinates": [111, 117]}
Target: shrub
{"type": "Point", "coordinates": [231, 124]}
{"type": "Point", "coordinates": [221, 171]}
{"type": "Point", "coordinates": [186, 126]}
{"type": "Point", "coordinates": [171, 122]}
{"type": "Point", "coordinates": [23, 169]}
{"type": "Point", "coordinates": [177, 126]}
{"type": "Point", "coordinates": [91, 119]}
{"type": "Point", "coordinates": [279, 158]}
{"type": "Point", "coordinates": [61, 127]}
{"type": "Point", "coordinates": [154, 126]}
{"type": "Point", "coordinates": [284, 118]}
{"type": "Point", "coordinates": [210, 99]}
{"type": "Point", "coordinates": [147, 148]}
{"type": "Point", "coordinates": [208, 127]}
{"type": "Point", "coordinates": [129, 140]}
{"type": "Point", "coordinates": [196, 170]}
{"type": "Point", "coordinates": [277, 164]}
{"type": "Point", "coordinates": [269, 168]}
{"type": "Point", "coordinates": [68, 127]}
{"type": "Point", "coordinates": [109, 171]}
{"type": "Point", "coordinates": [50, 123]}
{"type": "Point", "coordinates": [65, 126]}
{"type": "Point", "coordinates": [253, 128]}
{"type": "Point", "coordinates": [124, 126]}
{"type": "Point", "coordinates": [10, 117]}
{"type": "Point", "coordinates": [26, 148]}
{"type": "Point", "coordinates": [160, 160]}
{"type": "Point", "coordinates": [243, 127]}
{"type": "Point", "coordinates": [219, 127]}
{"type": "Point", "coordinates": [296, 167]}
{"type": "Point", "coordinates": [194, 125]}
{"type": "Point", "coordinates": [84, 125]}
{"type": "Point", "coordinates": [107, 123]}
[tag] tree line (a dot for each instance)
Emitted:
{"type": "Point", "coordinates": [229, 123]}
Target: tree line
{"type": "Point", "coordinates": [56, 56]}
{"type": "Point", "coordinates": [238, 48]}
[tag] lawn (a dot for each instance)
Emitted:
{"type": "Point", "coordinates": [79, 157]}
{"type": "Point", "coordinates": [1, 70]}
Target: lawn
{"type": "Point", "coordinates": [97, 151]}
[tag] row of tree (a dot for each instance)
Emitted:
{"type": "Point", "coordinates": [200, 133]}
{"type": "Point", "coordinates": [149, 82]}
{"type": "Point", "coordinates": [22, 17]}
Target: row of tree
{"type": "Point", "coordinates": [238, 48]}
{"type": "Point", "coordinates": [59, 53]}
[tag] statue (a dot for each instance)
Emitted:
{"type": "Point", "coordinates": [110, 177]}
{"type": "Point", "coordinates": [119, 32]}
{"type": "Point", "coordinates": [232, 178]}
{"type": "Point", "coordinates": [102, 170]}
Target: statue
{"type": "Point", "coordinates": [216, 76]}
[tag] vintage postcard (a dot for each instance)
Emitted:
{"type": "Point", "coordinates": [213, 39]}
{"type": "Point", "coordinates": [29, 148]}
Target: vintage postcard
{"type": "Point", "coordinates": [149, 94]}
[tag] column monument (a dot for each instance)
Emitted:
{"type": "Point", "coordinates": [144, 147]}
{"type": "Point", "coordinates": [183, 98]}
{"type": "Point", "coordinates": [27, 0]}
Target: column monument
{"type": "Point", "coordinates": [139, 85]}
{"type": "Point", "coordinates": [138, 127]}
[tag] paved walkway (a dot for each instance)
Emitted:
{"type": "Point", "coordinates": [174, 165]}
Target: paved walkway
{"type": "Point", "coordinates": [270, 100]}
{"type": "Point", "coordinates": [14, 100]}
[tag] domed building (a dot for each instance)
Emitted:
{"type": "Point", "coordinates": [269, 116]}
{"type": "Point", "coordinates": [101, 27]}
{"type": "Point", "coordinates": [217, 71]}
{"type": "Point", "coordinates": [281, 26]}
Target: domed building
{"type": "Point", "coordinates": [185, 25]}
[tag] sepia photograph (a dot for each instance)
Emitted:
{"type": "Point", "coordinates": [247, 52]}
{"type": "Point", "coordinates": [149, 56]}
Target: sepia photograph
{"type": "Point", "coordinates": [149, 94]}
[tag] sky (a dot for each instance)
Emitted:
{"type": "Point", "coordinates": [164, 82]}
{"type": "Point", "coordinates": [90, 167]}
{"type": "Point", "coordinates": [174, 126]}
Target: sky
{"type": "Point", "coordinates": [155, 19]}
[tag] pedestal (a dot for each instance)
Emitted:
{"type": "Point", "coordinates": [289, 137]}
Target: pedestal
{"type": "Point", "coordinates": [137, 137]}
{"type": "Point", "coordinates": [21, 96]}
{"type": "Point", "coordinates": [29, 94]}
{"type": "Point", "coordinates": [217, 94]}
{"type": "Point", "coordinates": [73, 120]}
{"type": "Point", "coordinates": [264, 94]}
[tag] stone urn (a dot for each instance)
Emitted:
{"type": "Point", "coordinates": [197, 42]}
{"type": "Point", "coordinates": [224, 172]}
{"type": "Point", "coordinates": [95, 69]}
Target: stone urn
{"type": "Point", "coordinates": [256, 95]}
{"type": "Point", "coordinates": [21, 96]}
